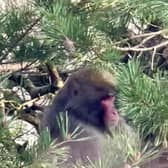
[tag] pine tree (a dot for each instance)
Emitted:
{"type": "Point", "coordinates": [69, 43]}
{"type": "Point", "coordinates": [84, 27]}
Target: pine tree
{"type": "Point", "coordinates": [71, 34]}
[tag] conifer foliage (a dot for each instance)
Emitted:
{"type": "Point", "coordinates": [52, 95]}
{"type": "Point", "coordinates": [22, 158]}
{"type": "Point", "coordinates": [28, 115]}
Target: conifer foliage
{"type": "Point", "coordinates": [127, 37]}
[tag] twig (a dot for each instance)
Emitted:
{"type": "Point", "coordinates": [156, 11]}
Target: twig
{"type": "Point", "coordinates": [153, 57]}
{"type": "Point", "coordinates": [143, 35]}
{"type": "Point", "coordinates": [29, 103]}
{"type": "Point", "coordinates": [54, 75]}
{"type": "Point", "coordinates": [145, 40]}
{"type": "Point", "coordinates": [141, 49]}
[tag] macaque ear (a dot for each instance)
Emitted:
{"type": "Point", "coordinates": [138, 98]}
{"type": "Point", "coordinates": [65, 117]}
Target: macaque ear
{"type": "Point", "coordinates": [74, 95]}
{"type": "Point", "coordinates": [75, 88]}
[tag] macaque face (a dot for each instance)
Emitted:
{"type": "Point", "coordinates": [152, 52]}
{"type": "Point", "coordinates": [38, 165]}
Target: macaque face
{"type": "Point", "coordinates": [92, 100]}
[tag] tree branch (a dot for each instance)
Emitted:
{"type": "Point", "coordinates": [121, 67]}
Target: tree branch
{"type": "Point", "coordinates": [163, 44]}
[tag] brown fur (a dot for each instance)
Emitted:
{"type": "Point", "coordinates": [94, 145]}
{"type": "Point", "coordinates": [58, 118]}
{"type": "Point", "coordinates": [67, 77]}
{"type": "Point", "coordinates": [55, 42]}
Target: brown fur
{"type": "Point", "coordinates": [81, 96]}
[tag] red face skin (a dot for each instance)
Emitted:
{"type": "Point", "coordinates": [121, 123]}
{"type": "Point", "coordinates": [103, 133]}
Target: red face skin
{"type": "Point", "coordinates": [111, 116]}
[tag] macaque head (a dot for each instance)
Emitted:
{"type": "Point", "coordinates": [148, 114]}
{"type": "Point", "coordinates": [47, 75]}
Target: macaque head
{"type": "Point", "coordinates": [90, 97]}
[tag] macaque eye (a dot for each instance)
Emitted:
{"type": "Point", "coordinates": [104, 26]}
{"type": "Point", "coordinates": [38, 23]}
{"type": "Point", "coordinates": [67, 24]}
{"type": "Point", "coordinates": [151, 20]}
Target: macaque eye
{"type": "Point", "coordinates": [111, 95]}
{"type": "Point", "coordinates": [75, 92]}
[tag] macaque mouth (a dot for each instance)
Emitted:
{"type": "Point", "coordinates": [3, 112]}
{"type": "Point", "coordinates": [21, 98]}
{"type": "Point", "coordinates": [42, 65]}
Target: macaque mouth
{"type": "Point", "coordinates": [111, 116]}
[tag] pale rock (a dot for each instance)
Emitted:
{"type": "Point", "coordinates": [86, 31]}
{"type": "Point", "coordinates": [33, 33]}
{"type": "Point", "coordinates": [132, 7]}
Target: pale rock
{"type": "Point", "coordinates": [21, 93]}
{"type": "Point", "coordinates": [24, 133]}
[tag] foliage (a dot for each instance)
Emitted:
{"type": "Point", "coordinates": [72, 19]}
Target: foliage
{"type": "Point", "coordinates": [93, 26]}
{"type": "Point", "coordinates": [8, 153]}
{"type": "Point", "coordinates": [44, 153]}
{"type": "Point", "coordinates": [48, 154]}
{"type": "Point", "coordinates": [64, 125]}
{"type": "Point", "coordinates": [124, 148]}
{"type": "Point", "coordinates": [114, 16]}
{"type": "Point", "coordinates": [11, 29]}
{"type": "Point", "coordinates": [144, 102]}
{"type": "Point", "coordinates": [60, 21]}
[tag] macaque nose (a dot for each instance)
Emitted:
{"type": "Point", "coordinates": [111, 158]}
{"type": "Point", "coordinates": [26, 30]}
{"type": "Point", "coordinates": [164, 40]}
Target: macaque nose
{"type": "Point", "coordinates": [114, 113]}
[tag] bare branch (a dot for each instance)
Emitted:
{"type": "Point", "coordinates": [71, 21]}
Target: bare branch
{"type": "Point", "coordinates": [143, 35]}
{"type": "Point", "coordinates": [153, 57]}
{"type": "Point", "coordinates": [163, 44]}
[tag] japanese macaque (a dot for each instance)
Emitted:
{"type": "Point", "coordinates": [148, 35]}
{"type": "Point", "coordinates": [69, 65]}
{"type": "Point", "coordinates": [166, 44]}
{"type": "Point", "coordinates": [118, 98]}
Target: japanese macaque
{"type": "Point", "coordinates": [89, 96]}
